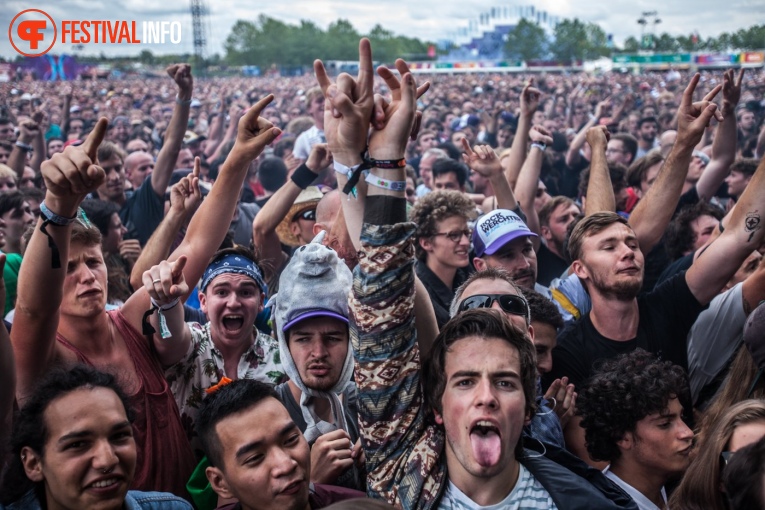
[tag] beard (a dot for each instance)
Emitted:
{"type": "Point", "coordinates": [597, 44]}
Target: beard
{"type": "Point", "coordinates": [622, 290]}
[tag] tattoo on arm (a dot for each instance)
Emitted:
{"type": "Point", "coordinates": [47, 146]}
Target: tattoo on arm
{"type": "Point", "coordinates": [752, 224]}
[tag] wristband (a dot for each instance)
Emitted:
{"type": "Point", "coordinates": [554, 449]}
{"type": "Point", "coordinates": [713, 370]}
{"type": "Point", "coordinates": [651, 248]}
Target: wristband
{"type": "Point", "coordinates": [164, 308]}
{"type": "Point", "coordinates": [182, 102]}
{"type": "Point", "coordinates": [539, 145]}
{"type": "Point", "coordinates": [51, 217]}
{"type": "Point", "coordinates": [345, 170]}
{"type": "Point", "coordinates": [24, 146]}
{"type": "Point", "coordinates": [303, 176]}
{"type": "Point", "coordinates": [386, 183]}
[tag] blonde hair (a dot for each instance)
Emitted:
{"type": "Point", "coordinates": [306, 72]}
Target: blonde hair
{"type": "Point", "coordinates": [7, 172]}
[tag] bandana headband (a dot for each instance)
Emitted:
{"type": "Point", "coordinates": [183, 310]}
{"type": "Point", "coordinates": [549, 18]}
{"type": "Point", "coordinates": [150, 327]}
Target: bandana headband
{"type": "Point", "coordinates": [233, 264]}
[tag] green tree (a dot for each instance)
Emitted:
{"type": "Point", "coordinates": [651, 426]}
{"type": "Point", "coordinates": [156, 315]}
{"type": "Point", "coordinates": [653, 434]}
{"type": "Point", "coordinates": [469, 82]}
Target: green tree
{"type": "Point", "coordinates": [666, 43]}
{"type": "Point", "coordinates": [575, 40]}
{"type": "Point", "coordinates": [526, 41]}
{"type": "Point", "coordinates": [631, 45]}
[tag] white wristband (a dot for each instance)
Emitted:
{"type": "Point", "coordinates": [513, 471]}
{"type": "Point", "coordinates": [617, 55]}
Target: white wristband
{"type": "Point", "coordinates": [345, 170]}
{"type": "Point", "coordinates": [385, 183]}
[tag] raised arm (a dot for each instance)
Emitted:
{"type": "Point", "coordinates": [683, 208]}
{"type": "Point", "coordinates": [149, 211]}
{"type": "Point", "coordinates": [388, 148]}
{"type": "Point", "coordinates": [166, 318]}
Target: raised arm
{"type": "Point", "coordinates": [528, 179]}
{"type": "Point", "coordinates": [655, 210]}
{"type": "Point", "coordinates": [28, 131]}
{"type": "Point", "coordinates": [530, 98]}
{"type": "Point", "coordinates": [69, 177]}
{"type": "Point", "coordinates": [724, 145]}
{"type": "Point", "coordinates": [744, 233]}
{"type": "Point", "coordinates": [264, 236]}
{"type": "Point", "coordinates": [484, 160]}
{"type": "Point", "coordinates": [166, 286]}
{"type": "Point", "coordinates": [573, 156]}
{"type": "Point", "coordinates": [163, 168]}
{"type": "Point", "coordinates": [600, 191]}
{"type": "Point", "coordinates": [210, 224]}
{"type": "Point", "coordinates": [185, 198]}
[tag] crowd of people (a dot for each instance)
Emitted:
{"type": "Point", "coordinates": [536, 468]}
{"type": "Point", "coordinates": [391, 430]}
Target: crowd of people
{"type": "Point", "coordinates": [388, 290]}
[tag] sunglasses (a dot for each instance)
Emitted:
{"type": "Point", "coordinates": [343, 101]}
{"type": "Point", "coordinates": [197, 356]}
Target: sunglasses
{"type": "Point", "coordinates": [510, 303]}
{"type": "Point", "coordinates": [308, 214]}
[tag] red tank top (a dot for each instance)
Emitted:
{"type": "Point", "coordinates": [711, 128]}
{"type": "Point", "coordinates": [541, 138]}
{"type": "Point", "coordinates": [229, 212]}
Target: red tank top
{"type": "Point", "coordinates": [165, 459]}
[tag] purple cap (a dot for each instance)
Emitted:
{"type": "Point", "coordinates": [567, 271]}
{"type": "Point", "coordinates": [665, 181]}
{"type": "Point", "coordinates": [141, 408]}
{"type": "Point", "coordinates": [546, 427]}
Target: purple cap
{"type": "Point", "coordinates": [494, 230]}
{"type": "Point", "coordinates": [754, 335]}
{"type": "Point", "coordinates": [313, 313]}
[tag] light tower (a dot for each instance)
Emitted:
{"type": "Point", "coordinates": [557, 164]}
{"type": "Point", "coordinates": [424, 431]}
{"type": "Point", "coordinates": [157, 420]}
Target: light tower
{"type": "Point", "coordinates": [199, 14]}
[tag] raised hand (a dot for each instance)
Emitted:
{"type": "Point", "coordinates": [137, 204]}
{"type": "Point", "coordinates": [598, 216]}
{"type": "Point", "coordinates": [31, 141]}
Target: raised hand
{"type": "Point", "coordinates": [481, 159]}
{"type": "Point", "coordinates": [348, 107]}
{"type": "Point", "coordinates": [185, 195]}
{"type": "Point", "coordinates": [731, 91]}
{"type": "Point", "coordinates": [389, 142]}
{"type": "Point", "coordinates": [165, 282]}
{"type": "Point", "coordinates": [693, 118]}
{"type": "Point", "coordinates": [319, 158]}
{"type": "Point", "coordinates": [254, 132]}
{"type": "Point", "coordinates": [538, 134]}
{"type": "Point", "coordinates": [602, 108]}
{"type": "Point", "coordinates": [28, 130]}
{"type": "Point", "coordinates": [563, 397]}
{"type": "Point", "coordinates": [597, 137]}
{"type": "Point", "coordinates": [70, 175]}
{"type": "Point", "coordinates": [181, 73]}
{"type": "Point", "coordinates": [530, 98]}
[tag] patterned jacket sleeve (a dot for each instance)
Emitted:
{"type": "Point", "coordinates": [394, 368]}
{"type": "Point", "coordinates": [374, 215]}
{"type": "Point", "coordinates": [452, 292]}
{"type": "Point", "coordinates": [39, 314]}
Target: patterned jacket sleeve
{"type": "Point", "coordinates": [402, 452]}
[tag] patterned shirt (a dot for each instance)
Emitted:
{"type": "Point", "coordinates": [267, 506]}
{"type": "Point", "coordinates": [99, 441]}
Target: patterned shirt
{"type": "Point", "coordinates": [528, 494]}
{"type": "Point", "coordinates": [202, 367]}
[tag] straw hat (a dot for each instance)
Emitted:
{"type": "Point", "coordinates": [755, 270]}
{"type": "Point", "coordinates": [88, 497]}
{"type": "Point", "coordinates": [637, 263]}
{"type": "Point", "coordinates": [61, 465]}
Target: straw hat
{"type": "Point", "coordinates": [307, 199]}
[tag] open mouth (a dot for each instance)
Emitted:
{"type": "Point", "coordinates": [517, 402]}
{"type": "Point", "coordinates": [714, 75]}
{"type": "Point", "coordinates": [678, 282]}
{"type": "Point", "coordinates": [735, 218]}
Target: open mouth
{"type": "Point", "coordinates": [233, 323]}
{"type": "Point", "coordinates": [109, 484]}
{"type": "Point", "coordinates": [485, 440]}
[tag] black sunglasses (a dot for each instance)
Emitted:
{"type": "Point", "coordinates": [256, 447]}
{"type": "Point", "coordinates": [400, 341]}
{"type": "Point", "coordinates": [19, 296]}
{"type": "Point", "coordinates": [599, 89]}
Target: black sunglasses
{"type": "Point", "coordinates": [308, 214]}
{"type": "Point", "coordinates": [510, 303]}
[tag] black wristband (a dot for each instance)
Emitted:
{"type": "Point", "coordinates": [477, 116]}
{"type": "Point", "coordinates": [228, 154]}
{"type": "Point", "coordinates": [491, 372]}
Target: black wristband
{"type": "Point", "coordinates": [303, 176]}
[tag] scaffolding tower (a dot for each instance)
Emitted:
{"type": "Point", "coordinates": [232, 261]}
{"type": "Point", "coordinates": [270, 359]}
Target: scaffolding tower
{"type": "Point", "coordinates": [199, 21]}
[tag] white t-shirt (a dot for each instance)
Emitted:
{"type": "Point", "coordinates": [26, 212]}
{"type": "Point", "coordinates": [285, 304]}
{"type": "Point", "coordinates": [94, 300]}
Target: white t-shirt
{"type": "Point", "coordinates": [306, 141]}
{"type": "Point", "coordinates": [528, 494]}
{"type": "Point", "coordinates": [643, 502]}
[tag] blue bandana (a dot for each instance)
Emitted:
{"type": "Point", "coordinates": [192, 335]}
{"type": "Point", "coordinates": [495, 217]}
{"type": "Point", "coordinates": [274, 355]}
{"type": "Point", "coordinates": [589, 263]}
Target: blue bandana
{"type": "Point", "coordinates": [235, 264]}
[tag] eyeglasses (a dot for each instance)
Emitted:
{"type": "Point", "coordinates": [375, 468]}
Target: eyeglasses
{"type": "Point", "coordinates": [510, 303]}
{"type": "Point", "coordinates": [455, 236]}
{"type": "Point", "coordinates": [308, 214]}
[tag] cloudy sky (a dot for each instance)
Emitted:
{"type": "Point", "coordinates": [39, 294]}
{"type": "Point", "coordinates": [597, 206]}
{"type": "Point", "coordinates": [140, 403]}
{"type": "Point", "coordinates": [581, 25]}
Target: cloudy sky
{"type": "Point", "coordinates": [426, 19]}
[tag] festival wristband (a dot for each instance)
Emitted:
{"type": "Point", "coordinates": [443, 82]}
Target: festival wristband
{"type": "Point", "coordinates": [24, 146]}
{"type": "Point", "coordinates": [182, 102]}
{"type": "Point", "coordinates": [51, 217]}
{"type": "Point", "coordinates": [539, 145]}
{"type": "Point", "coordinates": [385, 183]}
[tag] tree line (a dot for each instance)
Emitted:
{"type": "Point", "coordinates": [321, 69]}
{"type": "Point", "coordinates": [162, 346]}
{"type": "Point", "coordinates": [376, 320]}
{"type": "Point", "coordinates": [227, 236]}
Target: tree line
{"type": "Point", "coordinates": [268, 41]}
{"type": "Point", "coordinates": [574, 40]}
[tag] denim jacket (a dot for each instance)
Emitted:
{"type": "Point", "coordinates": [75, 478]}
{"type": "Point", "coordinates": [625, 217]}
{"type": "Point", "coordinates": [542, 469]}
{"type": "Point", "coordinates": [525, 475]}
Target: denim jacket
{"type": "Point", "coordinates": [134, 500]}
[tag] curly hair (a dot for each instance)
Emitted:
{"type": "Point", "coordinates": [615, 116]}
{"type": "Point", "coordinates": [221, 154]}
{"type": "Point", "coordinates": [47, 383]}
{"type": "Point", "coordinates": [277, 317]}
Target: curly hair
{"type": "Point", "coordinates": [435, 207]}
{"type": "Point", "coordinates": [679, 237]}
{"type": "Point", "coordinates": [621, 392]}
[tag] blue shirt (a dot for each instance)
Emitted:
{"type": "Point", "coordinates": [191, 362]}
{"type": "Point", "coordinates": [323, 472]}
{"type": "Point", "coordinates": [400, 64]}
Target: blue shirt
{"type": "Point", "coordinates": [134, 500]}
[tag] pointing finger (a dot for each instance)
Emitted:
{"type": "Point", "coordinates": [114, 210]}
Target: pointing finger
{"type": "Point", "coordinates": [689, 90]}
{"type": "Point", "coordinates": [177, 267]}
{"type": "Point", "coordinates": [94, 139]}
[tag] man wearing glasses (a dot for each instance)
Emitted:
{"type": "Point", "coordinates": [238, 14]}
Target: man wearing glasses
{"type": "Point", "coordinates": [442, 246]}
